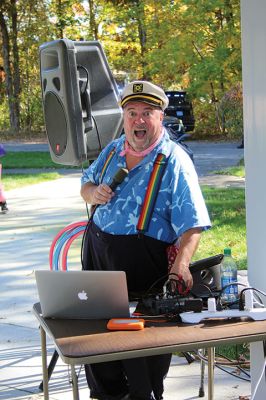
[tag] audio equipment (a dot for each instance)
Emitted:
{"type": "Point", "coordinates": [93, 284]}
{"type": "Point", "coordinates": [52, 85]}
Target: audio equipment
{"type": "Point", "coordinates": [206, 284]}
{"type": "Point", "coordinates": [80, 100]}
{"type": "Point", "coordinates": [206, 275]}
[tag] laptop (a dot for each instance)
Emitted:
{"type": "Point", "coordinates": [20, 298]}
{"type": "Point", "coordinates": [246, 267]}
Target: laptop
{"type": "Point", "coordinates": [83, 294]}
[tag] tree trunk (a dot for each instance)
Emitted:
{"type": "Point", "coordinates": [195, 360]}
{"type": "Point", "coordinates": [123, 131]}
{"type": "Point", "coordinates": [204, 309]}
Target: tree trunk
{"type": "Point", "coordinates": [214, 102]}
{"type": "Point", "coordinates": [12, 102]}
{"type": "Point", "coordinates": [142, 37]}
{"type": "Point", "coordinates": [60, 23]}
{"type": "Point", "coordinates": [16, 72]}
{"type": "Point", "coordinates": [93, 25]}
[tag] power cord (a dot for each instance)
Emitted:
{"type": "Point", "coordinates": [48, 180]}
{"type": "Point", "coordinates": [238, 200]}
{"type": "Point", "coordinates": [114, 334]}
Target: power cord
{"type": "Point", "coordinates": [229, 364]}
{"type": "Point", "coordinates": [86, 103]}
{"type": "Point", "coordinates": [241, 300]}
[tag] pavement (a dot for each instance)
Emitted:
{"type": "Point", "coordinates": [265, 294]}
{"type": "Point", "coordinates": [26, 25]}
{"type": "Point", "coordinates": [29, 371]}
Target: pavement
{"type": "Point", "coordinates": [37, 213]}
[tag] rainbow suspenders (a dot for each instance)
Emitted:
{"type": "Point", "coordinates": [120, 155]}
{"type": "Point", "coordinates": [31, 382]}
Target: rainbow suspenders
{"type": "Point", "coordinates": [151, 193]}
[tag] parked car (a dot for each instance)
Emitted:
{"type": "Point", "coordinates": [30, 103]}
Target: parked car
{"type": "Point", "coordinates": [180, 107]}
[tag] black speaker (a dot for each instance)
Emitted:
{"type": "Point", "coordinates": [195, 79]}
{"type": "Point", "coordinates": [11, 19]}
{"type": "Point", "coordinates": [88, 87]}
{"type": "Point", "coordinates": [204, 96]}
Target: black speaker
{"type": "Point", "coordinates": [80, 100]}
{"type": "Point", "coordinates": [206, 275]}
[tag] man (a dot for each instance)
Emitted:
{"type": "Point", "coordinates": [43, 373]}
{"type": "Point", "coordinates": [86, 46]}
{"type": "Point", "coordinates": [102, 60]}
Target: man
{"type": "Point", "coordinates": [121, 236]}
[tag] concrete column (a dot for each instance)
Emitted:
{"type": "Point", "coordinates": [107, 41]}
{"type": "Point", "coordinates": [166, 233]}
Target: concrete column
{"type": "Point", "coordinates": [253, 28]}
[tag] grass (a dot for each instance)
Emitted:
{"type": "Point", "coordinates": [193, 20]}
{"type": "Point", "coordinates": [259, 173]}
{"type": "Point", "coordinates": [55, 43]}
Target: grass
{"type": "Point", "coordinates": [235, 171]}
{"type": "Point", "coordinates": [234, 352]}
{"type": "Point", "coordinates": [25, 159]}
{"type": "Point", "coordinates": [15, 181]}
{"type": "Point", "coordinates": [238, 170]}
{"type": "Point", "coordinates": [28, 159]}
{"type": "Point", "coordinates": [227, 213]}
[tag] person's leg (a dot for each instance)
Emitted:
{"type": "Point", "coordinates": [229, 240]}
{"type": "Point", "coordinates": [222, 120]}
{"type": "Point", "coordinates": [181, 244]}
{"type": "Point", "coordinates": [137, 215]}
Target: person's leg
{"type": "Point", "coordinates": [106, 380]}
{"type": "Point", "coordinates": [146, 375]}
{"type": "Point", "coordinates": [3, 203]}
{"type": "Point", "coordinates": [138, 375]}
{"type": "Point", "coordinates": [159, 367]}
{"type": "Point", "coordinates": [4, 207]}
{"type": "Point", "coordinates": [144, 260]}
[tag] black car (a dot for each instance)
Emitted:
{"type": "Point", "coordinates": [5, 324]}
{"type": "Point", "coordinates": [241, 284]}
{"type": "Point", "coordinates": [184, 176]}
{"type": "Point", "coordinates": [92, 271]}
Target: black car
{"type": "Point", "coordinates": [180, 107]}
{"type": "Point", "coordinates": [175, 124]}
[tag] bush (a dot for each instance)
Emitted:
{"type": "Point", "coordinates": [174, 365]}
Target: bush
{"type": "Point", "coordinates": [206, 121]}
{"type": "Point", "coordinates": [231, 112]}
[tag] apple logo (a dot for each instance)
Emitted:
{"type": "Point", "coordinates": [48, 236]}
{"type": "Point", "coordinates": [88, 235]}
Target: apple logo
{"type": "Point", "coordinates": [83, 295]}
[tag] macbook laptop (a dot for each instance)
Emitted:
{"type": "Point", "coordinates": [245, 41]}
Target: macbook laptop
{"type": "Point", "coordinates": [83, 294]}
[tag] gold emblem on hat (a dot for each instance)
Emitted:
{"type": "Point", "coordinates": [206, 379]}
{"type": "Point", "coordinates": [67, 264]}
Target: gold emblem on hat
{"type": "Point", "coordinates": [138, 87]}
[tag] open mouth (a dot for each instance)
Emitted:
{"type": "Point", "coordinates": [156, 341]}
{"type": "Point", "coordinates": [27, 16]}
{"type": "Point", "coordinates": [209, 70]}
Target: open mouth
{"type": "Point", "coordinates": [140, 134]}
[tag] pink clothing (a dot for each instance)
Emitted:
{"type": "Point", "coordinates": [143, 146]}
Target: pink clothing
{"type": "Point", "coordinates": [128, 149]}
{"type": "Point", "coordinates": [2, 193]}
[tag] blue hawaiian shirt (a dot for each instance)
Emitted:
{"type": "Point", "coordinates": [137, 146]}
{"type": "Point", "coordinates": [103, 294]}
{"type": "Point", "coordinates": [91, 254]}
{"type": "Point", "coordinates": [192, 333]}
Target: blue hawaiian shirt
{"type": "Point", "coordinates": [179, 205]}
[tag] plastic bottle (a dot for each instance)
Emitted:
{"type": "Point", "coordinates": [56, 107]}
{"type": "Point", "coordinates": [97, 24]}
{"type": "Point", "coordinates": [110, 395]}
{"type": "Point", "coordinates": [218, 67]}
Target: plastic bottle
{"type": "Point", "coordinates": [229, 275]}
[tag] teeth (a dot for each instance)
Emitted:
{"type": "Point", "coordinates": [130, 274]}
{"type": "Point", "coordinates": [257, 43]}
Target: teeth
{"type": "Point", "coordinates": [140, 134]}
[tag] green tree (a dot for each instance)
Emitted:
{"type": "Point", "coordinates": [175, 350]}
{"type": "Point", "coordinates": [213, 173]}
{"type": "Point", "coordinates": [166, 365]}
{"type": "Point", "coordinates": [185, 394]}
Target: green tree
{"type": "Point", "coordinates": [178, 44]}
{"type": "Point", "coordinates": [35, 28]}
{"type": "Point", "coordinates": [212, 31]}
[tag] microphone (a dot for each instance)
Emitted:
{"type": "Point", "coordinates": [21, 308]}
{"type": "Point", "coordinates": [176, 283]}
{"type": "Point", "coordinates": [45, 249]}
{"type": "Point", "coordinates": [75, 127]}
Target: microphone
{"type": "Point", "coordinates": [117, 179]}
{"type": "Point", "coordinates": [120, 175]}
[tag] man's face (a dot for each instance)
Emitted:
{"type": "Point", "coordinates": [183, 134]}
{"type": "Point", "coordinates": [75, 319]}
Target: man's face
{"type": "Point", "coordinates": [142, 124]}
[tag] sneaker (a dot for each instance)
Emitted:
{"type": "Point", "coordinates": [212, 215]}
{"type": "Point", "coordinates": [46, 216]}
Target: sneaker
{"type": "Point", "coordinates": [241, 146]}
{"type": "Point", "coordinates": [4, 207]}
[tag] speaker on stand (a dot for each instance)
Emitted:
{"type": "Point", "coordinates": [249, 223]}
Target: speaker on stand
{"type": "Point", "coordinates": [80, 100]}
{"type": "Point", "coordinates": [80, 105]}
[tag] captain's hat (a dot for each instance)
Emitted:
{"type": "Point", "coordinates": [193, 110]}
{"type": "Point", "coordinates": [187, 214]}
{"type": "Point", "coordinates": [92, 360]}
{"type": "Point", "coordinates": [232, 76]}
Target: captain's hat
{"type": "Point", "coordinates": [146, 92]}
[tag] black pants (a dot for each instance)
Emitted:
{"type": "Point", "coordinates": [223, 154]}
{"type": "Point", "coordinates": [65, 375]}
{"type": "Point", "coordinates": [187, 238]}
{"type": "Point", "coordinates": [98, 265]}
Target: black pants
{"type": "Point", "coordinates": [141, 377]}
{"type": "Point", "coordinates": [145, 262]}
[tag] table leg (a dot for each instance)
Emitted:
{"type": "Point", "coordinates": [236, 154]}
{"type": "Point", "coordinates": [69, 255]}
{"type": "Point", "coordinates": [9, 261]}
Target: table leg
{"type": "Point", "coordinates": [202, 373]}
{"type": "Point", "coordinates": [75, 388]}
{"type": "Point", "coordinates": [211, 354]}
{"type": "Point", "coordinates": [44, 365]}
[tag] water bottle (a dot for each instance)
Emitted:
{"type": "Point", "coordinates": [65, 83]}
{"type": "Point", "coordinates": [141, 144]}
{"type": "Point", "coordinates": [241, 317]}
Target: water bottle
{"type": "Point", "coordinates": [228, 275]}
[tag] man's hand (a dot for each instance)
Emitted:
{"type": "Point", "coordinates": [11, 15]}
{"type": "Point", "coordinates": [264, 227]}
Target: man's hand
{"type": "Point", "coordinates": [94, 194]}
{"type": "Point", "coordinates": [102, 194]}
{"type": "Point", "coordinates": [187, 246]}
{"type": "Point", "coordinates": [183, 272]}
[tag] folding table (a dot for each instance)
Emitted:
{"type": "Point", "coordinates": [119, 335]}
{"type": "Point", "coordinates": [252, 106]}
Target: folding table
{"type": "Point", "coordinates": [81, 342]}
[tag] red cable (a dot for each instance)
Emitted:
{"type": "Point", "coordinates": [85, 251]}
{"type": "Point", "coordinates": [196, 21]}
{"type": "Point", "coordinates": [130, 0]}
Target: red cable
{"type": "Point", "coordinates": [66, 248]}
{"type": "Point", "coordinates": [51, 252]}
